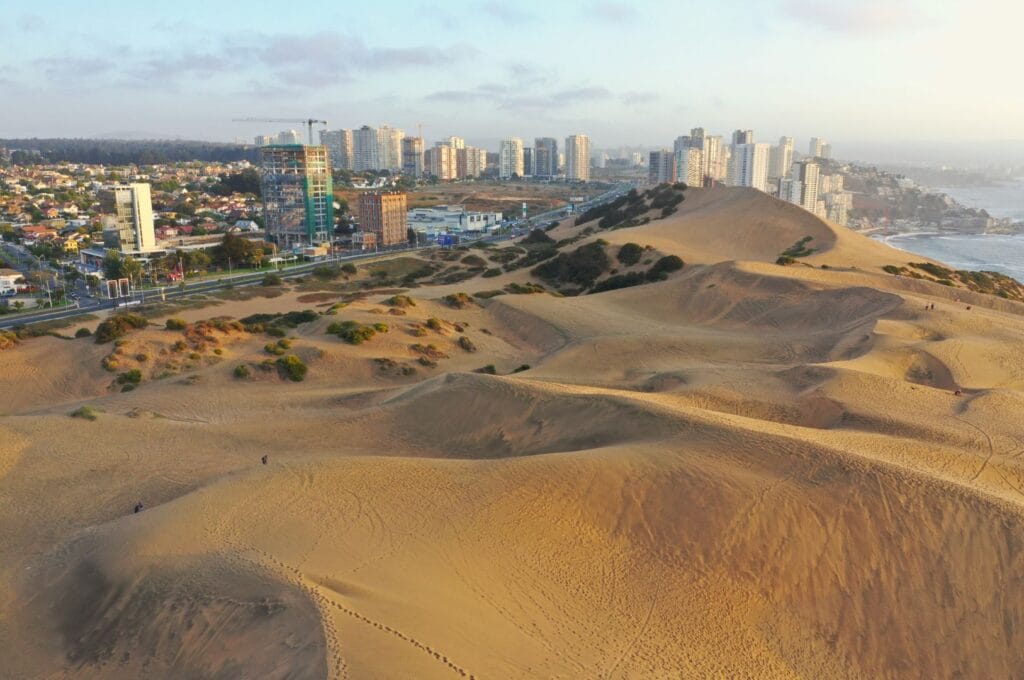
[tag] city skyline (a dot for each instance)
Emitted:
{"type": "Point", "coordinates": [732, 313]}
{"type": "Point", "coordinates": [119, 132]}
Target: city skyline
{"type": "Point", "coordinates": [870, 71]}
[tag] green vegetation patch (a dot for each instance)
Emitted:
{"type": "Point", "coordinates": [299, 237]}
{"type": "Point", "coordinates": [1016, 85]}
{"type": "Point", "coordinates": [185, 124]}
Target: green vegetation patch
{"type": "Point", "coordinates": [118, 326]}
{"type": "Point", "coordinates": [292, 368]}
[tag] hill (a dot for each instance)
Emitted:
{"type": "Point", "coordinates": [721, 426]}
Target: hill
{"type": "Point", "coordinates": [735, 468]}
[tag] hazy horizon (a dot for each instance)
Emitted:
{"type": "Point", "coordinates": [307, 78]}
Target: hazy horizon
{"type": "Point", "coordinates": [873, 78]}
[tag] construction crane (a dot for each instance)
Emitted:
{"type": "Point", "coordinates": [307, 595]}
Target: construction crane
{"type": "Point", "coordinates": [308, 122]}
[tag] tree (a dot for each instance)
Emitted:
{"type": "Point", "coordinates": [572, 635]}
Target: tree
{"type": "Point", "coordinates": [117, 267]}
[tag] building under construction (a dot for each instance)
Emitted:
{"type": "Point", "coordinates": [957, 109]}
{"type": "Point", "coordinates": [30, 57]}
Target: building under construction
{"type": "Point", "coordinates": [298, 194]}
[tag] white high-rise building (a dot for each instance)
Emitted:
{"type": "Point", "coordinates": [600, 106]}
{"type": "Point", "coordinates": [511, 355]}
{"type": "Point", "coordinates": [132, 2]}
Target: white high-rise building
{"type": "Point", "coordinates": [128, 226]}
{"type": "Point", "coordinates": [577, 158]}
{"type": "Point", "coordinates": [389, 153]}
{"type": "Point", "coordinates": [510, 158]}
{"type": "Point", "coordinates": [690, 166]}
{"type": "Point", "coordinates": [826, 151]}
{"type": "Point", "coordinates": [715, 158]}
{"type": "Point", "coordinates": [807, 173]}
{"type": "Point", "coordinates": [289, 137]}
{"type": "Point", "coordinates": [339, 146]}
{"type": "Point", "coordinates": [749, 166]}
{"type": "Point", "coordinates": [456, 142]}
{"type": "Point", "coordinates": [365, 149]}
{"type": "Point", "coordinates": [781, 158]}
{"type": "Point", "coordinates": [814, 149]}
{"type": "Point", "coordinates": [661, 167]}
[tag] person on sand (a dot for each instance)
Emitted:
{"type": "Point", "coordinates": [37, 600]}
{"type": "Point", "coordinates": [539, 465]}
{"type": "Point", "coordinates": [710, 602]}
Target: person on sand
{"type": "Point", "coordinates": [138, 507]}
{"type": "Point", "coordinates": [264, 459]}
{"type": "Point", "coordinates": [958, 393]}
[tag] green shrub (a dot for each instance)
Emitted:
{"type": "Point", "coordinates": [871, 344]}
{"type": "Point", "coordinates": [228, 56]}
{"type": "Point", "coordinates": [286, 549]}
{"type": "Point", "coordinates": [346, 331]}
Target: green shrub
{"type": "Point", "coordinates": [380, 327]}
{"type": "Point", "coordinates": [521, 368]}
{"type": "Point", "coordinates": [491, 273]}
{"type": "Point", "coordinates": [118, 326]}
{"type": "Point", "coordinates": [352, 332]}
{"type": "Point", "coordinates": [466, 344]}
{"type": "Point", "coordinates": [83, 333]}
{"type": "Point", "coordinates": [799, 249]}
{"type": "Point", "coordinates": [665, 266]}
{"type": "Point", "coordinates": [489, 369]}
{"type": "Point", "coordinates": [132, 377]}
{"type": "Point", "coordinates": [141, 356]}
{"type": "Point", "coordinates": [326, 272]}
{"type": "Point", "coordinates": [458, 300]}
{"type": "Point", "coordinates": [292, 367]}
{"type": "Point", "coordinates": [273, 348]}
{"type": "Point", "coordinates": [349, 268]}
{"type": "Point", "coordinates": [241, 371]}
{"type": "Point", "coordinates": [620, 281]}
{"type": "Point", "coordinates": [284, 344]}
{"type": "Point", "coordinates": [581, 267]}
{"type": "Point", "coordinates": [785, 260]}
{"type": "Point", "coordinates": [629, 254]}
{"type": "Point", "coordinates": [434, 324]}
{"type": "Point", "coordinates": [474, 261]}
{"type": "Point", "coordinates": [85, 413]}
{"type": "Point", "coordinates": [537, 237]}
{"type": "Point", "coordinates": [271, 280]}
{"type": "Point", "coordinates": [401, 301]}
{"type": "Point", "coordinates": [175, 324]}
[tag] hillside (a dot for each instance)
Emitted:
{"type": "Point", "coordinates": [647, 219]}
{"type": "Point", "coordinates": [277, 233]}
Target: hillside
{"type": "Point", "coordinates": [727, 468]}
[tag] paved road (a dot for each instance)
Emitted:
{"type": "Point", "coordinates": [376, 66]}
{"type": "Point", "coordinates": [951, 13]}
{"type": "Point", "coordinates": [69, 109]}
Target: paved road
{"type": "Point", "coordinates": [91, 305]}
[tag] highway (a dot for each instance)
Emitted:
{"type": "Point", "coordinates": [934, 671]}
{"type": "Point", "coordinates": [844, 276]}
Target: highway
{"type": "Point", "coordinates": [89, 304]}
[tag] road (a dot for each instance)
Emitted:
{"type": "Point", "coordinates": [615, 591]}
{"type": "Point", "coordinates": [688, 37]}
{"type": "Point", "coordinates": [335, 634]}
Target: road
{"type": "Point", "coordinates": [91, 305]}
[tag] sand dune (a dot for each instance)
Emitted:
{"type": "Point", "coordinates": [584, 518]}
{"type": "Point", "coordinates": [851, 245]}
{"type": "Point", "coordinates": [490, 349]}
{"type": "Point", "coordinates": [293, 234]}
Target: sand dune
{"type": "Point", "coordinates": [746, 470]}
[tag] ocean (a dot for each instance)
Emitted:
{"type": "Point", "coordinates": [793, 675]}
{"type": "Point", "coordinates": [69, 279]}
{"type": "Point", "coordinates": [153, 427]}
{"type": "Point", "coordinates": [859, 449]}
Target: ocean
{"type": "Point", "coordinates": [999, 253]}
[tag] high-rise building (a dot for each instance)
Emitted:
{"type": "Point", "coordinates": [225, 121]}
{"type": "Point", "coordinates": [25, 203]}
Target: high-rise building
{"type": "Point", "coordinates": [265, 140]}
{"type": "Point", "coordinates": [781, 158]}
{"type": "Point", "coordinates": [545, 158]}
{"type": "Point", "coordinates": [298, 194]}
{"type": "Point", "coordinates": [128, 227]}
{"type": "Point", "coordinates": [470, 161]}
{"type": "Point", "coordinates": [442, 162]}
{"type": "Point", "coordinates": [510, 163]}
{"type": "Point", "coordinates": [826, 151]}
{"type": "Point", "coordinates": [815, 147]}
{"type": "Point", "coordinates": [742, 137]}
{"type": "Point", "coordinates": [682, 142]}
{"type": "Point", "coordinates": [807, 172]}
{"type": "Point", "coordinates": [661, 167]}
{"type": "Point", "coordinates": [456, 142]}
{"type": "Point", "coordinates": [384, 213]}
{"type": "Point", "coordinates": [577, 158]}
{"type": "Point", "coordinates": [289, 137]}
{"type": "Point", "coordinates": [528, 161]}
{"type": "Point", "coordinates": [713, 156]}
{"type": "Point", "coordinates": [749, 166]}
{"type": "Point", "coordinates": [339, 146]}
{"type": "Point", "coordinates": [389, 153]}
{"type": "Point", "coordinates": [412, 157]}
{"type": "Point", "coordinates": [689, 166]}
{"type": "Point", "coordinates": [365, 149]}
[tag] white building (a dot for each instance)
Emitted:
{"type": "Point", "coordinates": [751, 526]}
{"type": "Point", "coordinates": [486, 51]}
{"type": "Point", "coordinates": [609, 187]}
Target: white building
{"type": "Point", "coordinates": [510, 158]}
{"type": "Point", "coordinates": [577, 158]}
{"type": "Point", "coordinates": [451, 218]}
{"type": "Point", "coordinates": [8, 279]}
{"type": "Point", "coordinates": [389, 151]}
{"type": "Point", "coordinates": [289, 137]}
{"type": "Point", "coordinates": [814, 149]}
{"type": "Point", "coordinates": [690, 166]}
{"type": "Point", "coordinates": [781, 158]}
{"type": "Point", "coordinates": [749, 166]}
{"type": "Point", "coordinates": [807, 173]}
{"type": "Point", "coordinates": [365, 150]}
{"type": "Point", "coordinates": [128, 224]}
{"type": "Point", "coordinates": [339, 145]}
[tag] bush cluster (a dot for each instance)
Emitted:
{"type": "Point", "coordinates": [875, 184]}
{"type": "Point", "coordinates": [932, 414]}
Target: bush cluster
{"type": "Point", "coordinates": [118, 325]}
{"type": "Point", "coordinates": [582, 266]}
{"type": "Point", "coordinates": [292, 368]}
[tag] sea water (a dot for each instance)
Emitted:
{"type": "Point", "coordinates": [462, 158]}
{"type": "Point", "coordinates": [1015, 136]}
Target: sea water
{"type": "Point", "coordinates": [999, 253]}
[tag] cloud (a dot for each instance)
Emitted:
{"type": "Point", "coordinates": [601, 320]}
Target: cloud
{"type": "Point", "coordinates": [437, 14]}
{"type": "Point", "coordinates": [504, 97]}
{"type": "Point", "coordinates": [614, 12]}
{"type": "Point", "coordinates": [277, 62]}
{"type": "Point", "coordinates": [504, 12]}
{"type": "Point", "coordinates": [846, 16]}
{"type": "Point", "coordinates": [31, 23]}
{"type": "Point", "coordinates": [638, 98]}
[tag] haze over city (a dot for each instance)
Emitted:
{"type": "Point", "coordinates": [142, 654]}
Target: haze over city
{"type": "Point", "coordinates": [863, 74]}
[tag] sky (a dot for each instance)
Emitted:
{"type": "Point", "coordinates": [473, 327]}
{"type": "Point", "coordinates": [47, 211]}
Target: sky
{"type": "Point", "coordinates": [870, 72]}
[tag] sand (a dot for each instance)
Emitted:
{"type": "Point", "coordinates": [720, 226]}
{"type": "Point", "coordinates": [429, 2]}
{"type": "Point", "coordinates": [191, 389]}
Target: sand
{"type": "Point", "coordinates": [747, 470]}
